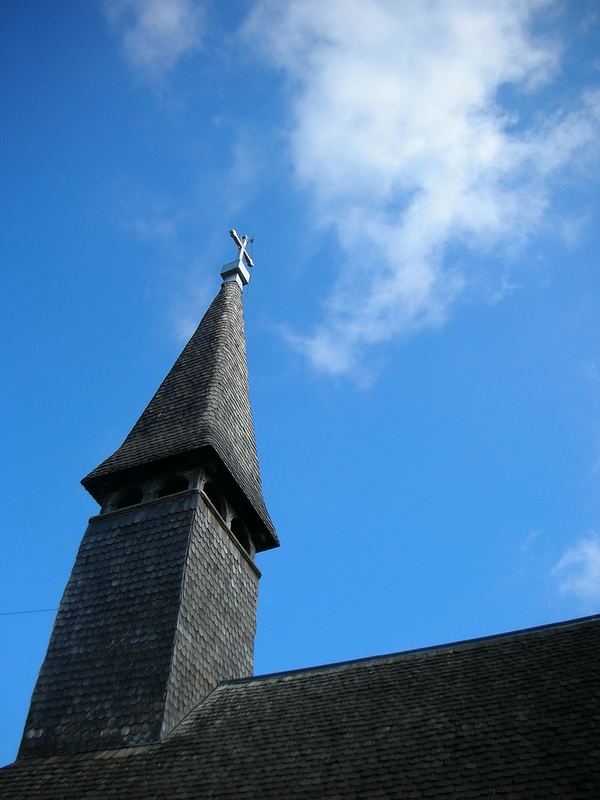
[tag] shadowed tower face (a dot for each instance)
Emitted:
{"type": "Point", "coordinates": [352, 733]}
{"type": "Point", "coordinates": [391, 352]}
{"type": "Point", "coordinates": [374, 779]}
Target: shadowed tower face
{"type": "Point", "coordinates": [161, 602]}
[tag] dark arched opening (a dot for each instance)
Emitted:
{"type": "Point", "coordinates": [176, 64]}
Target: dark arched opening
{"type": "Point", "coordinates": [172, 484]}
{"type": "Point", "coordinates": [240, 532]}
{"type": "Point", "coordinates": [130, 497]}
{"type": "Point", "coordinates": [216, 498]}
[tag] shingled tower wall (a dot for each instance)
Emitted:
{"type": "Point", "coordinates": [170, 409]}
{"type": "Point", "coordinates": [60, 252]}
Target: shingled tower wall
{"type": "Point", "coordinates": [161, 603]}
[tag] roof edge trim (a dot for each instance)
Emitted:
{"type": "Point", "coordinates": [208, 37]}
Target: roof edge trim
{"type": "Point", "coordinates": [461, 643]}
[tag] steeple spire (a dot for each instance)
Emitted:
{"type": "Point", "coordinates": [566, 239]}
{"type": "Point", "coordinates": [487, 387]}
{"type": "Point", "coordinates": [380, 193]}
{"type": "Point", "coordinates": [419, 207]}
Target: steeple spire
{"type": "Point", "coordinates": [161, 603]}
{"type": "Point", "coordinates": [202, 405]}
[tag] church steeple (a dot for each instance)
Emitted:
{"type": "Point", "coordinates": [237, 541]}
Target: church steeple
{"type": "Point", "coordinates": [161, 602]}
{"type": "Point", "coordinates": [202, 404]}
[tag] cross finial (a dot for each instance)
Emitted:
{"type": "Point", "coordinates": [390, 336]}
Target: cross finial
{"type": "Point", "coordinates": [238, 271]}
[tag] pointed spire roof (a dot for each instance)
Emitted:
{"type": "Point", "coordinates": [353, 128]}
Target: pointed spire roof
{"type": "Point", "coordinates": [202, 403]}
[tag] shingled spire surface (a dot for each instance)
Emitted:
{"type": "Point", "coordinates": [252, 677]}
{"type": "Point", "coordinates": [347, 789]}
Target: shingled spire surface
{"type": "Point", "coordinates": [202, 403]}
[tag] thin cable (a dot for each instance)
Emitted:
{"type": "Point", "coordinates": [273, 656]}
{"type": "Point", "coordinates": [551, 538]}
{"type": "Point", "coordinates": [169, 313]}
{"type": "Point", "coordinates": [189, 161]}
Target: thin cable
{"type": "Point", "coordinates": [33, 611]}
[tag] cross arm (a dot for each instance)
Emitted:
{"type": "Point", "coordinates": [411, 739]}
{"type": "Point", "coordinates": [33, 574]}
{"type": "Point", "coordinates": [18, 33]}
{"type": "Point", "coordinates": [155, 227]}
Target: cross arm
{"type": "Point", "coordinates": [241, 242]}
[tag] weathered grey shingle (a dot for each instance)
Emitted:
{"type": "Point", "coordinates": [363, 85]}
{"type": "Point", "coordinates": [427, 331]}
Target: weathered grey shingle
{"type": "Point", "coordinates": [202, 402]}
{"type": "Point", "coordinates": [109, 655]}
{"type": "Point", "coordinates": [160, 607]}
{"type": "Point", "coordinates": [515, 716]}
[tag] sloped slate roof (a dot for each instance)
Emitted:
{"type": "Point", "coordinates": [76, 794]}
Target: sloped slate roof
{"type": "Point", "coordinates": [203, 402]}
{"type": "Point", "coordinates": [515, 716]}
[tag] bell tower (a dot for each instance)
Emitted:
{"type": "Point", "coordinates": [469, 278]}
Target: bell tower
{"type": "Point", "coordinates": [161, 602]}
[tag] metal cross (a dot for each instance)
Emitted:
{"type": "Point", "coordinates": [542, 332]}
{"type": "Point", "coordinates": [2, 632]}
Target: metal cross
{"type": "Point", "coordinates": [242, 242]}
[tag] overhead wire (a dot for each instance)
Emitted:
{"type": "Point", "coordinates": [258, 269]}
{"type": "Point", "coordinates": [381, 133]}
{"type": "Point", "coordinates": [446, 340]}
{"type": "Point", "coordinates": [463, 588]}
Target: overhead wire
{"type": "Point", "coordinates": [31, 611]}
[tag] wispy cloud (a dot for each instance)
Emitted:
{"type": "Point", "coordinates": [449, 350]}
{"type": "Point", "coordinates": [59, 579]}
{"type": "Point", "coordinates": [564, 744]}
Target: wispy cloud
{"type": "Point", "coordinates": [591, 371]}
{"type": "Point", "coordinates": [187, 308]}
{"type": "Point", "coordinates": [246, 161]}
{"type": "Point", "coordinates": [529, 541]}
{"type": "Point", "coordinates": [152, 228]}
{"type": "Point", "coordinates": [155, 34]}
{"type": "Point", "coordinates": [398, 132]}
{"type": "Point", "coordinates": [578, 570]}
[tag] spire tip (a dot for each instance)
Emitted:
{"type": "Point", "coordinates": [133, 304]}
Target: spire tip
{"type": "Point", "coordinates": [238, 271]}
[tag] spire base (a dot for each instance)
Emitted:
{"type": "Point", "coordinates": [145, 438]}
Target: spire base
{"type": "Point", "coordinates": [236, 272]}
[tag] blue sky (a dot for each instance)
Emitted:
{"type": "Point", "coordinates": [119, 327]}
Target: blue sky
{"type": "Point", "coordinates": [422, 183]}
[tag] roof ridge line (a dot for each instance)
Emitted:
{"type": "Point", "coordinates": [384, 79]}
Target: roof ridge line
{"type": "Point", "coordinates": [428, 648]}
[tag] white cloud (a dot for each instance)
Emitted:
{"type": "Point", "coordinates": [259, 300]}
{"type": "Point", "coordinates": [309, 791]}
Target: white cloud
{"type": "Point", "coordinates": [238, 181]}
{"type": "Point", "coordinates": [529, 541]}
{"type": "Point", "coordinates": [578, 570]}
{"type": "Point", "coordinates": [397, 131]}
{"type": "Point", "coordinates": [591, 370]}
{"type": "Point", "coordinates": [152, 228]}
{"type": "Point", "coordinates": [156, 33]}
{"type": "Point", "coordinates": [187, 309]}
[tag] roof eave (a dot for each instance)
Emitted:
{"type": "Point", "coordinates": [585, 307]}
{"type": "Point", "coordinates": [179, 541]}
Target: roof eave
{"type": "Point", "coordinates": [99, 483]}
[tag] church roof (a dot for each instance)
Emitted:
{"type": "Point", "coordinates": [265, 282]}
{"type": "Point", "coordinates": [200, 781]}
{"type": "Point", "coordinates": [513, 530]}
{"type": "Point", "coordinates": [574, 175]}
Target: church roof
{"type": "Point", "coordinates": [512, 716]}
{"type": "Point", "coordinates": [202, 403]}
